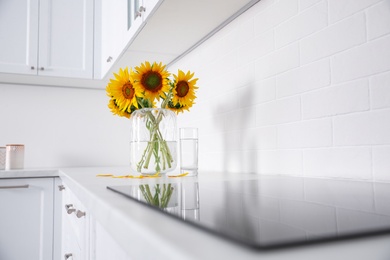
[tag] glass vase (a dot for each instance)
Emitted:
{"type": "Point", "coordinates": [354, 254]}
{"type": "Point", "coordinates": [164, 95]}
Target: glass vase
{"type": "Point", "coordinates": [153, 141]}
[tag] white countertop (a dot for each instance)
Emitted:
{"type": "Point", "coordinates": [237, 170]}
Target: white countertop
{"type": "Point", "coordinates": [145, 233]}
{"type": "Point", "coordinates": [28, 173]}
{"type": "Point", "coordinates": [148, 234]}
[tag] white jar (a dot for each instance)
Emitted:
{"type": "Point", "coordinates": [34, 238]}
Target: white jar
{"type": "Point", "coordinates": [14, 156]}
{"type": "Point", "coordinates": [2, 157]}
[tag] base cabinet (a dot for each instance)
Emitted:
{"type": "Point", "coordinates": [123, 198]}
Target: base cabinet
{"type": "Point", "coordinates": [27, 219]}
{"type": "Point", "coordinates": [75, 227]}
{"type": "Point", "coordinates": [105, 247]}
{"type": "Point", "coordinates": [83, 238]}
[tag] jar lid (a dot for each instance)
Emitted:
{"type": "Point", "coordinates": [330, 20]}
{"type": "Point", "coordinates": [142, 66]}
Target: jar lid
{"type": "Point", "coordinates": [14, 145]}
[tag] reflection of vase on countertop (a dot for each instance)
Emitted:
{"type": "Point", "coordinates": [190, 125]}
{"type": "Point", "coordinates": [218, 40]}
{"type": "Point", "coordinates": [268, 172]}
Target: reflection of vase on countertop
{"type": "Point", "coordinates": [153, 141]}
{"type": "Point", "coordinates": [163, 196]}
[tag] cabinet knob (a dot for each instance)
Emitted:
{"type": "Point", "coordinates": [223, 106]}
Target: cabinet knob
{"type": "Point", "coordinates": [42, 68]}
{"type": "Point", "coordinates": [67, 256]}
{"type": "Point", "coordinates": [32, 68]}
{"type": "Point", "coordinates": [109, 59]}
{"type": "Point", "coordinates": [80, 214]}
{"type": "Point", "coordinates": [69, 208]}
{"type": "Point", "coordinates": [61, 187]}
{"type": "Point", "coordinates": [141, 9]}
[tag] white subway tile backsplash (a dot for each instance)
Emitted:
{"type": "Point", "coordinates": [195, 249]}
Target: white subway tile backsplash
{"type": "Point", "coordinates": [381, 162]}
{"type": "Point", "coordinates": [312, 76]}
{"type": "Point", "coordinates": [301, 25]}
{"type": "Point", "coordinates": [311, 133]}
{"type": "Point", "coordinates": [240, 119]}
{"type": "Point", "coordinates": [338, 37]}
{"type": "Point", "coordinates": [296, 87]}
{"type": "Point", "coordinates": [336, 100]}
{"type": "Point", "coordinates": [286, 162]}
{"type": "Point", "coordinates": [351, 162]}
{"type": "Point", "coordinates": [240, 161]}
{"type": "Point", "coordinates": [260, 138]}
{"type": "Point", "coordinates": [380, 91]}
{"type": "Point", "coordinates": [261, 45]}
{"type": "Point", "coordinates": [339, 9]}
{"type": "Point", "coordinates": [220, 104]}
{"type": "Point", "coordinates": [211, 160]}
{"type": "Point", "coordinates": [303, 4]}
{"type": "Point", "coordinates": [242, 76]}
{"type": "Point", "coordinates": [378, 20]}
{"type": "Point", "coordinates": [365, 60]}
{"type": "Point", "coordinates": [277, 62]}
{"type": "Point", "coordinates": [278, 111]}
{"type": "Point", "coordinates": [275, 14]}
{"type": "Point", "coordinates": [367, 128]}
{"type": "Point", "coordinates": [258, 92]}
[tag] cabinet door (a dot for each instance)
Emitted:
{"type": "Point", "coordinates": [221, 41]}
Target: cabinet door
{"type": "Point", "coordinates": [105, 247]}
{"type": "Point", "coordinates": [75, 227]}
{"type": "Point", "coordinates": [26, 220]}
{"type": "Point", "coordinates": [18, 36]}
{"type": "Point", "coordinates": [148, 7]}
{"type": "Point", "coordinates": [134, 18]}
{"type": "Point", "coordinates": [66, 38]}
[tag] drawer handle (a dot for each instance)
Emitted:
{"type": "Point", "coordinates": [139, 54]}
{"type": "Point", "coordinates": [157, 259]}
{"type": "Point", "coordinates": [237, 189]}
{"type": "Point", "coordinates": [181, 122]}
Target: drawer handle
{"type": "Point", "coordinates": [15, 187]}
{"type": "Point", "coordinates": [61, 187]}
{"type": "Point", "coordinates": [67, 256]}
{"type": "Point", "coordinates": [80, 214]}
{"type": "Point", "coordinates": [69, 208]}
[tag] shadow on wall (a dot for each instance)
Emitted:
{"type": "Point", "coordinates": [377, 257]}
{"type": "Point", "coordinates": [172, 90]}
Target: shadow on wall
{"type": "Point", "coordinates": [239, 153]}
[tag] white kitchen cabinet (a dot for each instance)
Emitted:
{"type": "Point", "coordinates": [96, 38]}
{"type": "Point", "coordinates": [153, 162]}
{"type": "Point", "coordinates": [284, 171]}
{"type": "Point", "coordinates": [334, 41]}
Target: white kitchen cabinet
{"type": "Point", "coordinates": [116, 27]}
{"type": "Point", "coordinates": [75, 227]}
{"type": "Point", "coordinates": [27, 218]}
{"type": "Point", "coordinates": [47, 37]}
{"type": "Point", "coordinates": [105, 247]}
{"type": "Point", "coordinates": [82, 236]}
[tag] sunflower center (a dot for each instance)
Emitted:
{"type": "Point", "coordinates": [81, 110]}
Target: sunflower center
{"type": "Point", "coordinates": [152, 81]}
{"type": "Point", "coordinates": [182, 88]}
{"type": "Point", "coordinates": [128, 90]}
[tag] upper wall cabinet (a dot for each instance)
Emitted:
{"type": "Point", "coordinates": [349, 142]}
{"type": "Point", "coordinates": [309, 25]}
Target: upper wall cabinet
{"type": "Point", "coordinates": [169, 29]}
{"type": "Point", "coordinates": [47, 37]}
{"type": "Point", "coordinates": [119, 23]}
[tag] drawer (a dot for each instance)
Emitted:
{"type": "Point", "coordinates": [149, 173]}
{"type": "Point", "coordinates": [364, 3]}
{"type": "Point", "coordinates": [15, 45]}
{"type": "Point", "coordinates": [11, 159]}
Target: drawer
{"type": "Point", "coordinates": [75, 219]}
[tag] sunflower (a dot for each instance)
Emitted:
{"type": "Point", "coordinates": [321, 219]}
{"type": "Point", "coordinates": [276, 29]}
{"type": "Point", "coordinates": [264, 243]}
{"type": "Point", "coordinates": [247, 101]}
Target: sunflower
{"type": "Point", "coordinates": [121, 90]}
{"type": "Point", "coordinates": [115, 109]}
{"type": "Point", "coordinates": [177, 108]}
{"type": "Point", "coordinates": [151, 80]}
{"type": "Point", "coordinates": [184, 90]}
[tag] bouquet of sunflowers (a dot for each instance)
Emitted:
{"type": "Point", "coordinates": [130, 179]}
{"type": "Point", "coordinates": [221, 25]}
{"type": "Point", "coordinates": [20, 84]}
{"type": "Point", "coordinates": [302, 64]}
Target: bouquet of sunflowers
{"type": "Point", "coordinates": [144, 87]}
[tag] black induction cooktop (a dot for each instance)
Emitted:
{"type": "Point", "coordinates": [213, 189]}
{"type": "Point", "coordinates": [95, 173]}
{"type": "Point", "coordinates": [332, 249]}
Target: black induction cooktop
{"type": "Point", "coordinates": [273, 211]}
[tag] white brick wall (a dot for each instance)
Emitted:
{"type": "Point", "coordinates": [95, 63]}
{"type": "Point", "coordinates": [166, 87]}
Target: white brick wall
{"type": "Point", "coordinates": [296, 87]}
